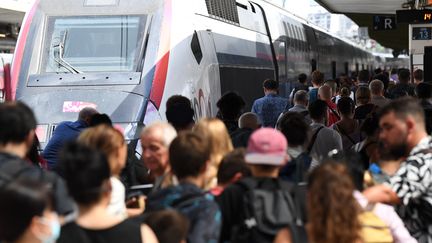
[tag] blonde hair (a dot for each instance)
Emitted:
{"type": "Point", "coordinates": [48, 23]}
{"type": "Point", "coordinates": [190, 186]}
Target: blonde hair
{"type": "Point", "coordinates": [215, 131]}
{"type": "Point", "coordinates": [107, 140]}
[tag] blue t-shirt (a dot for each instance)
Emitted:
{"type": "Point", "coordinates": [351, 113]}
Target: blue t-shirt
{"type": "Point", "coordinates": [269, 108]}
{"type": "Point", "coordinates": [64, 132]}
{"type": "Point", "coordinates": [313, 95]}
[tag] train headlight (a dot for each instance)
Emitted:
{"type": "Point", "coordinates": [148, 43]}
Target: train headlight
{"type": "Point", "coordinates": [42, 133]}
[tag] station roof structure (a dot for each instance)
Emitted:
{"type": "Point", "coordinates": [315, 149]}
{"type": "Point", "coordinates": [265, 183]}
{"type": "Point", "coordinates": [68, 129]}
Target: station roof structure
{"type": "Point", "coordinates": [12, 11]}
{"type": "Point", "coordinates": [362, 13]}
{"type": "Point", "coordinates": [11, 16]}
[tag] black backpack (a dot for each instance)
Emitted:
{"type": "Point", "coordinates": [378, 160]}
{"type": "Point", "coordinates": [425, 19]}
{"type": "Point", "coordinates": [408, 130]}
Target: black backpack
{"type": "Point", "coordinates": [296, 169]}
{"type": "Point", "coordinates": [265, 211]}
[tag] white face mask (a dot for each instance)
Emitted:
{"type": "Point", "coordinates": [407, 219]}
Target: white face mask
{"type": "Point", "coordinates": [54, 226]}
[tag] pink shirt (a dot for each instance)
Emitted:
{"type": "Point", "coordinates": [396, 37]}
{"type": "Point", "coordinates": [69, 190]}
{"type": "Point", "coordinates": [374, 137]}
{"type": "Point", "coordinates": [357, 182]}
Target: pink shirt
{"type": "Point", "coordinates": [387, 214]}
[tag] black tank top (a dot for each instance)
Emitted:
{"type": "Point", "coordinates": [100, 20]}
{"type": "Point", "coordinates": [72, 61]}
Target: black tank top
{"type": "Point", "coordinates": [127, 231]}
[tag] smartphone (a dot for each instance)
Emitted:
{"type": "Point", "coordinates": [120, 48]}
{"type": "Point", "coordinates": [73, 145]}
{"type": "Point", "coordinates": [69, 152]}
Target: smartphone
{"type": "Point", "coordinates": [135, 193]}
{"type": "Point", "coordinates": [138, 190]}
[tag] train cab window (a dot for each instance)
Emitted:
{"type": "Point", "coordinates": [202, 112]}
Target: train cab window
{"type": "Point", "coordinates": [93, 44]}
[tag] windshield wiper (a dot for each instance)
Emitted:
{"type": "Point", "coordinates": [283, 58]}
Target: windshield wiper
{"type": "Point", "coordinates": [59, 53]}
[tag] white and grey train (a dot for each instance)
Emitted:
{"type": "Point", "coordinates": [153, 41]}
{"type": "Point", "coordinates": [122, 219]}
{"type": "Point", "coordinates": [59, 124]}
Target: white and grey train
{"type": "Point", "coordinates": [127, 57]}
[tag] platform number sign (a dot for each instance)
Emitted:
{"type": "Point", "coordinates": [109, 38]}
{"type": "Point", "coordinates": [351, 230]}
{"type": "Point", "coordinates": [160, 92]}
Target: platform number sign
{"type": "Point", "coordinates": [384, 22]}
{"type": "Point", "coordinates": [422, 33]}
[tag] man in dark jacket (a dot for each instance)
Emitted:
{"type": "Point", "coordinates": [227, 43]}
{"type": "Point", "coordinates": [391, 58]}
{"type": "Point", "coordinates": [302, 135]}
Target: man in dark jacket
{"type": "Point", "coordinates": [17, 131]}
{"type": "Point", "coordinates": [403, 88]}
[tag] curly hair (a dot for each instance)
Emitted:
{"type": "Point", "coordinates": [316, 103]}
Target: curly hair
{"type": "Point", "coordinates": [332, 208]}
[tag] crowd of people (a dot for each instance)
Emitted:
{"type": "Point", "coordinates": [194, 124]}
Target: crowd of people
{"type": "Point", "coordinates": [340, 161]}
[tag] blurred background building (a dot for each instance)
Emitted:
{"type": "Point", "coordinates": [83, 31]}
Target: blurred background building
{"type": "Point", "coordinates": [11, 15]}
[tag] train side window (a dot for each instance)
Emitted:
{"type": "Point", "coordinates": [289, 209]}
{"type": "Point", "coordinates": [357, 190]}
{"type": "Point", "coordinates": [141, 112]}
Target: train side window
{"type": "Point", "coordinates": [333, 64]}
{"type": "Point", "coordinates": [196, 48]}
{"type": "Point", "coordinates": [280, 47]}
{"type": "Point", "coordinates": [313, 65]}
{"type": "Point", "coordinates": [286, 28]}
{"type": "Point", "coordinates": [292, 35]}
{"type": "Point", "coordinates": [302, 37]}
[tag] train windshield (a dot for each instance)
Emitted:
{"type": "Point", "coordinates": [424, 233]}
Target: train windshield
{"type": "Point", "coordinates": [84, 44]}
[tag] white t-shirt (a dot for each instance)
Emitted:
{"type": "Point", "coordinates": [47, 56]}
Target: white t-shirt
{"type": "Point", "coordinates": [117, 204]}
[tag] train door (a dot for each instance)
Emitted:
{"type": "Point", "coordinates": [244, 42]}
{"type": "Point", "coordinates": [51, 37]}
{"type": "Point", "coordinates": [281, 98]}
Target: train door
{"type": "Point", "coordinates": [312, 49]}
{"type": "Point", "coordinates": [427, 62]}
{"type": "Point", "coordinates": [245, 63]}
{"type": "Point", "coordinates": [346, 68]}
{"type": "Point", "coordinates": [333, 65]}
{"type": "Point", "coordinates": [206, 88]}
{"type": "Point", "coordinates": [282, 59]}
{"type": "Point", "coordinates": [272, 47]}
{"type": "Point", "coordinates": [2, 81]}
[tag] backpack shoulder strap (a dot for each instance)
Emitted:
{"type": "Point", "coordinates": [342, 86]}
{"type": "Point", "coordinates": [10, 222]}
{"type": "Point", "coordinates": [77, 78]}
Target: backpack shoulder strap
{"type": "Point", "coordinates": [342, 131]}
{"type": "Point", "coordinates": [285, 186]}
{"type": "Point", "coordinates": [303, 162]}
{"type": "Point", "coordinates": [333, 111]}
{"type": "Point", "coordinates": [298, 233]}
{"type": "Point", "coordinates": [312, 142]}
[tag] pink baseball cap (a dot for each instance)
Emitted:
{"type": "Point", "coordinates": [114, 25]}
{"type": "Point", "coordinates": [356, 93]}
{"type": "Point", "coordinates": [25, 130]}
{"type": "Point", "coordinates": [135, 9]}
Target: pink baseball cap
{"type": "Point", "coordinates": [267, 146]}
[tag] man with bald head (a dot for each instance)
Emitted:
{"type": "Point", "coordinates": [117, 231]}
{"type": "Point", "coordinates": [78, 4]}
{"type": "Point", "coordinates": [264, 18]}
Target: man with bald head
{"type": "Point", "coordinates": [65, 132]}
{"type": "Point", "coordinates": [248, 123]}
{"type": "Point", "coordinates": [301, 101]}
{"type": "Point", "coordinates": [325, 94]}
{"type": "Point", "coordinates": [155, 141]}
{"type": "Point", "coordinates": [376, 88]}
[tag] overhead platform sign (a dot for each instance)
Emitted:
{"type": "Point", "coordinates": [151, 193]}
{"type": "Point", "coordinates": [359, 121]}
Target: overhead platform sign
{"type": "Point", "coordinates": [414, 16]}
{"type": "Point", "coordinates": [381, 22]}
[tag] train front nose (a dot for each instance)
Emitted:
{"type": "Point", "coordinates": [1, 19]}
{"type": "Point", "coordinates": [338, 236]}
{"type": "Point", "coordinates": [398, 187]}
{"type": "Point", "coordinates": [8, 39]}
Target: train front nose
{"type": "Point", "coordinates": [125, 109]}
